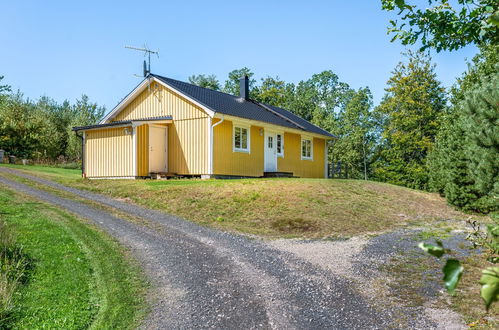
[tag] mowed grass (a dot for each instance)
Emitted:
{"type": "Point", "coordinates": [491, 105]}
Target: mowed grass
{"type": "Point", "coordinates": [78, 276]}
{"type": "Point", "coordinates": [274, 207]}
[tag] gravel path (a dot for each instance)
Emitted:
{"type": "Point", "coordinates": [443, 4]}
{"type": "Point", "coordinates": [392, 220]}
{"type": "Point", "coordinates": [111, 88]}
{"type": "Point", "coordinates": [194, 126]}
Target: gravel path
{"type": "Point", "coordinates": [203, 278]}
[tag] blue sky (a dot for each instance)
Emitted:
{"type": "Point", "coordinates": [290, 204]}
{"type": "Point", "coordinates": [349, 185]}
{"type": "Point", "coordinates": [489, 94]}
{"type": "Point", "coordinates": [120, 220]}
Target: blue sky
{"type": "Point", "coordinates": [63, 49]}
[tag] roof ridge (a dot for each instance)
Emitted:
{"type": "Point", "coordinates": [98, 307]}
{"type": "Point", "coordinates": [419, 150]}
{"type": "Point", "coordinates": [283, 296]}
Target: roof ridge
{"type": "Point", "coordinates": [188, 83]}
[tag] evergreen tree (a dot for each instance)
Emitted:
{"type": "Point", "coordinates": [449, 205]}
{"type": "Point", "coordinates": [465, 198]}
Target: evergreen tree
{"type": "Point", "coordinates": [481, 109]}
{"type": "Point", "coordinates": [410, 117]}
{"type": "Point", "coordinates": [463, 162]}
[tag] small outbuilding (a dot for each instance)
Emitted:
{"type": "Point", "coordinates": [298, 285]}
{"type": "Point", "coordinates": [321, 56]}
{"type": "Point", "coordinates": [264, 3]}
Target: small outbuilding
{"type": "Point", "coordinates": [168, 127]}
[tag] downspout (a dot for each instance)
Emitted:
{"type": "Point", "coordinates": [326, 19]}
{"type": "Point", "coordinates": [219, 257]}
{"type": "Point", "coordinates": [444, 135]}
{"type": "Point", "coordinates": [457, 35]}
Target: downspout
{"type": "Point", "coordinates": [211, 142]}
{"type": "Point", "coordinates": [82, 153]}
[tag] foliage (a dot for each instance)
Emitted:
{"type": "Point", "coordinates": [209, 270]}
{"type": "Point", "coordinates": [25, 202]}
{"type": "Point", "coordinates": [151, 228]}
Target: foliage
{"type": "Point", "coordinates": [436, 251]}
{"type": "Point", "coordinates": [356, 133]}
{"type": "Point", "coordinates": [272, 91]}
{"type": "Point", "coordinates": [231, 85]}
{"type": "Point", "coordinates": [41, 130]}
{"type": "Point", "coordinates": [490, 285]}
{"type": "Point", "coordinates": [452, 274]}
{"type": "Point", "coordinates": [453, 269]}
{"type": "Point", "coordinates": [206, 81]}
{"type": "Point", "coordinates": [488, 240]}
{"type": "Point", "coordinates": [444, 26]}
{"type": "Point", "coordinates": [463, 165]}
{"type": "Point", "coordinates": [409, 118]}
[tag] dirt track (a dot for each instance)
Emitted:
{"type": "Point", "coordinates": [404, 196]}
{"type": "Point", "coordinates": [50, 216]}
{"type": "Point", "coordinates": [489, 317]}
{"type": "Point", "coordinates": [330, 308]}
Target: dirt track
{"type": "Point", "coordinates": [203, 278]}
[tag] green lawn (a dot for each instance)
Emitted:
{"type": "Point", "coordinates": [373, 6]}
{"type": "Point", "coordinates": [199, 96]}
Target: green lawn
{"type": "Point", "coordinates": [274, 207]}
{"type": "Point", "coordinates": [78, 276]}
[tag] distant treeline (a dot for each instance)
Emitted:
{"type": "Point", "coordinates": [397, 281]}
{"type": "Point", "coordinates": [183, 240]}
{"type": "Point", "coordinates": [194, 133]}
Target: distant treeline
{"type": "Point", "coordinates": [41, 130]}
{"type": "Point", "coordinates": [420, 135]}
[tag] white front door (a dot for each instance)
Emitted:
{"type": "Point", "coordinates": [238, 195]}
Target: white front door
{"type": "Point", "coordinates": [158, 149]}
{"type": "Point", "coordinates": [270, 152]}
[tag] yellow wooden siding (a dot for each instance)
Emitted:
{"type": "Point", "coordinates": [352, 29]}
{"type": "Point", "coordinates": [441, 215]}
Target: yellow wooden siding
{"type": "Point", "coordinates": [292, 161]}
{"type": "Point", "coordinates": [108, 153]}
{"type": "Point", "coordinates": [142, 150]}
{"type": "Point", "coordinates": [228, 162]}
{"type": "Point", "coordinates": [157, 100]}
{"type": "Point", "coordinates": [188, 146]}
{"type": "Point", "coordinates": [187, 136]}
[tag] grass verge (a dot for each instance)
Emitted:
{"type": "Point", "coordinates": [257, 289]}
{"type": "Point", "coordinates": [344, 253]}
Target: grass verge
{"type": "Point", "coordinates": [14, 267]}
{"type": "Point", "coordinates": [273, 207]}
{"type": "Point", "coordinates": [80, 277]}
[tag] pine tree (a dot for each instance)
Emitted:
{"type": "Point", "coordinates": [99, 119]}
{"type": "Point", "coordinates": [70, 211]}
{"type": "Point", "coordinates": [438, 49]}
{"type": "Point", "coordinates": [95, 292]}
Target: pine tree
{"type": "Point", "coordinates": [463, 165]}
{"type": "Point", "coordinates": [410, 118]}
{"type": "Point", "coordinates": [481, 109]}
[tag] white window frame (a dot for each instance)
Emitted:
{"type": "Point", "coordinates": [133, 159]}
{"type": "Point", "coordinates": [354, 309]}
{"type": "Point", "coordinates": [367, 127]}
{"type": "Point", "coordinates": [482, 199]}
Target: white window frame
{"type": "Point", "coordinates": [248, 144]}
{"type": "Point", "coordinates": [311, 139]}
{"type": "Point", "coordinates": [280, 154]}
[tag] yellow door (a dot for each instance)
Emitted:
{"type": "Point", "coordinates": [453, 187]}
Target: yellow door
{"type": "Point", "coordinates": [158, 149]}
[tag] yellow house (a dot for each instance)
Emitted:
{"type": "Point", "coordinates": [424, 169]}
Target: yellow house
{"type": "Point", "coordinates": [165, 126]}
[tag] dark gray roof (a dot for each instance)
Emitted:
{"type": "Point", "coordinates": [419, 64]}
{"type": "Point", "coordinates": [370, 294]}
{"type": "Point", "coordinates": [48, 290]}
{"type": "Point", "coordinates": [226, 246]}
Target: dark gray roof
{"type": "Point", "coordinates": [236, 106]}
{"type": "Point", "coordinates": [120, 122]}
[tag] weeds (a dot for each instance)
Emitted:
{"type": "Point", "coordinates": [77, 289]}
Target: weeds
{"type": "Point", "coordinates": [13, 271]}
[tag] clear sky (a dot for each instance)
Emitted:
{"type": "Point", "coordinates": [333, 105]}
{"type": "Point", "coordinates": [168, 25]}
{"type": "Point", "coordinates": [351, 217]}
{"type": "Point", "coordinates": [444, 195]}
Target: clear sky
{"type": "Point", "coordinates": [63, 49]}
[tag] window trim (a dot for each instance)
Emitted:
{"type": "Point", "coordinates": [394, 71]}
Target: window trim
{"type": "Point", "coordinates": [311, 139]}
{"type": "Point", "coordinates": [280, 154]}
{"type": "Point", "coordinates": [248, 144]}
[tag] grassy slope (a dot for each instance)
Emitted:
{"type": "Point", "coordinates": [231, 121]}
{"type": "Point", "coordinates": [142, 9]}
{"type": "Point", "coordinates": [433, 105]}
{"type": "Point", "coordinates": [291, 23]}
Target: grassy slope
{"type": "Point", "coordinates": [79, 278]}
{"type": "Point", "coordinates": [274, 207]}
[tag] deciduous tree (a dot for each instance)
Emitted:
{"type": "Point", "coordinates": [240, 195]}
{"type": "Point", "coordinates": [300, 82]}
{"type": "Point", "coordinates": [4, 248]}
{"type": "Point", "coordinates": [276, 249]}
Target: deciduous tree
{"type": "Point", "coordinates": [443, 25]}
{"type": "Point", "coordinates": [410, 112]}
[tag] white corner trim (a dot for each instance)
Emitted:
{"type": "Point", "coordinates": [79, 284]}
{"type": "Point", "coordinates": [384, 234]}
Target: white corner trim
{"type": "Point", "coordinates": [134, 150]}
{"type": "Point", "coordinates": [325, 159]}
{"type": "Point", "coordinates": [211, 133]}
{"type": "Point", "coordinates": [140, 88]}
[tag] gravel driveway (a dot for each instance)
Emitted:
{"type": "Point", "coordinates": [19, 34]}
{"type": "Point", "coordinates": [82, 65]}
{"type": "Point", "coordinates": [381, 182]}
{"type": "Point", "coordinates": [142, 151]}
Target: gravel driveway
{"type": "Point", "coordinates": [203, 278]}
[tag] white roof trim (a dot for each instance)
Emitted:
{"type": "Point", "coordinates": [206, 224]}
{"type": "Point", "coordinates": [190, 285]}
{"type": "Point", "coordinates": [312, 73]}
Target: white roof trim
{"type": "Point", "coordinates": [140, 88]}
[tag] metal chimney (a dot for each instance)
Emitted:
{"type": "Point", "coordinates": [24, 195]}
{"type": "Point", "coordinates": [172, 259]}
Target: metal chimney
{"type": "Point", "coordinates": [244, 87]}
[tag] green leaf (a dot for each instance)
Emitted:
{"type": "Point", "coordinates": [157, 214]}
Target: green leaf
{"type": "Point", "coordinates": [490, 285]}
{"type": "Point", "coordinates": [436, 251]}
{"type": "Point", "coordinates": [452, 274]}
{"type": "Point", "coordinates": [400, 3]}
{"type": "Point", "coordinates": [494, 18]}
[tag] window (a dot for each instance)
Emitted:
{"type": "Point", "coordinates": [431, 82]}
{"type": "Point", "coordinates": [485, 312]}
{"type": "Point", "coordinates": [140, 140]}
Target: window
{"type": "Point", "coordinates": [279, 145]}
{"type": "Point", "coordinates": [241, 139]}
{"type": "Point", "coordinates": [271, 142]}
{"type": "Point", "coordinates": [306, 149]}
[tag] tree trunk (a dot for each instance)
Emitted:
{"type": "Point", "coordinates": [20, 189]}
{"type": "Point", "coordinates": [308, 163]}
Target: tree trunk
{"type": "Point", "coordinates": [364, 156]}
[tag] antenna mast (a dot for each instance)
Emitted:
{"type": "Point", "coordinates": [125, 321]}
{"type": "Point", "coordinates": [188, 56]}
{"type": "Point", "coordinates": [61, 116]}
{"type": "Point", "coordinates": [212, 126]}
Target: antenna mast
{"type": "Point", "coordinates": [147, 52]}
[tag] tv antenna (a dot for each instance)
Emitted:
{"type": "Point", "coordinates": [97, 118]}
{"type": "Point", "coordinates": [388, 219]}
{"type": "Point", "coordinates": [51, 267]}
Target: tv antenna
{"type": "Point", "coordinates": [147, 52]}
